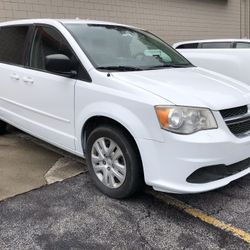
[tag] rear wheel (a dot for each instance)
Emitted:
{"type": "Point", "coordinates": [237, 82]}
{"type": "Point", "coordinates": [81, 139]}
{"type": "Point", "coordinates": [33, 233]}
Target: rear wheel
{"type": "Point", "coordinates": [3, 126]}
{"type": "Point", "coordinates": [114, 162]}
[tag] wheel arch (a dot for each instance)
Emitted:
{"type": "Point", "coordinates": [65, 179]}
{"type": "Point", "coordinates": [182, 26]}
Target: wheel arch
{"type": "Point", "coordinates": [98, 120]}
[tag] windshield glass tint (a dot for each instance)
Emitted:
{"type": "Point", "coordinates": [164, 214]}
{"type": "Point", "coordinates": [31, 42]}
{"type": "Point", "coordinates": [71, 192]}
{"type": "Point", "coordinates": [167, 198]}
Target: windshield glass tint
{"type": "Point", "coordinates": [117, 46]}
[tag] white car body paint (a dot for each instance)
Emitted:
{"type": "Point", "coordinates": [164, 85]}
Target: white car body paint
{"type": "Point", "coordinates": [55, 109]}
{"type": "Point", "coordinates": [233, 62]}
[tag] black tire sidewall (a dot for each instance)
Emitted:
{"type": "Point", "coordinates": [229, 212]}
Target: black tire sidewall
{"type": "Point", "coordinates": [133, 179]}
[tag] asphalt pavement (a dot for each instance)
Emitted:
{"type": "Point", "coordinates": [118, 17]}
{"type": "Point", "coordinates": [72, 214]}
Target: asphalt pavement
{"type": "Point", "coordinates": [73, 214]}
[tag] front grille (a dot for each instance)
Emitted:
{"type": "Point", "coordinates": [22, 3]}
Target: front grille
{"type": "Point", "coordinates": [240, 127]}
{"type": "Point", "coordinates": [226, 113]}
{"type": "Point", "coordinates": [237, 120]}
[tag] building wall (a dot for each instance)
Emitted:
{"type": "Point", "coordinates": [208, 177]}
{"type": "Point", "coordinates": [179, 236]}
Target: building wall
{"type": "Point", "coordinates": [173, 20]}
{"type": "Point", "coordinates": [245, 14]}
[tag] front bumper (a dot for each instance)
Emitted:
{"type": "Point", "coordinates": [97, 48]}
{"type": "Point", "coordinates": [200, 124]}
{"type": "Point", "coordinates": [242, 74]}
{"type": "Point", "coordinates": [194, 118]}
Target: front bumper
{"type": "Point", "coordinates": [168, 164]}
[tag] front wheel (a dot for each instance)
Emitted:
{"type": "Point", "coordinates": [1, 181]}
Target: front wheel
{"type": "Point", "coordinates": [114, 162]}
{"type": "Point", "coordinates": [3, 127]}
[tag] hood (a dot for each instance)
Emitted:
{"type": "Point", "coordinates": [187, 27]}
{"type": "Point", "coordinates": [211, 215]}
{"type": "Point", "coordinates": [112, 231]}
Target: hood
{"type": "Point", "coordinates": [190, 87]}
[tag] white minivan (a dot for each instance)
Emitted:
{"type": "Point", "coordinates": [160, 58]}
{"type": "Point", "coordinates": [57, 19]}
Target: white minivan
{"type": "Point", "coordinates": [126, 101]}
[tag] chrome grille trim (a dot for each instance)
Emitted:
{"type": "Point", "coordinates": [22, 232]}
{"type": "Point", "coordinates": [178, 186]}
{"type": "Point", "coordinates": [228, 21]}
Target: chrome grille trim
{"type": "Point", "coordinates": [237, 117]}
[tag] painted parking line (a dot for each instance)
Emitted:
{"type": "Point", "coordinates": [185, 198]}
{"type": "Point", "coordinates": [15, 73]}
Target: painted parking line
{"type": "Point", "coordinates": [169, 200]}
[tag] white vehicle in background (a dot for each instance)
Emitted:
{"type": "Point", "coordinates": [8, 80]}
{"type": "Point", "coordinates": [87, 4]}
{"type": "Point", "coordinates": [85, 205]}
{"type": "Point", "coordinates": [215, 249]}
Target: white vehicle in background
{"type": "Point", "coordinates": [230, 57]}
{"type": "Point", "coordinates": [126, 101]}
{"type": "Point", "coordinates": [214, 44]}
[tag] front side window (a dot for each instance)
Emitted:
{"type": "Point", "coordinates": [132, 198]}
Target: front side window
{"type": "Point", "coordinates": [48, 41]}
{"type": "Point", "coordinates": [12, 44]}
{"type": "Point", "coordinates": [111, 46]}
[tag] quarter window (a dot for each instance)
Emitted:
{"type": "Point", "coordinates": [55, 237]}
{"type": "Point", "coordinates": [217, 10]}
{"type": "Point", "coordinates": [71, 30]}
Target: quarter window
{"type": "Point", "coordinates": [12, 44]}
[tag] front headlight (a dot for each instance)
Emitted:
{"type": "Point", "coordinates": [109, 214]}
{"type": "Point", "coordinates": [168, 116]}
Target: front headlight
{"type": "Point", "coordinates": [185, 120]}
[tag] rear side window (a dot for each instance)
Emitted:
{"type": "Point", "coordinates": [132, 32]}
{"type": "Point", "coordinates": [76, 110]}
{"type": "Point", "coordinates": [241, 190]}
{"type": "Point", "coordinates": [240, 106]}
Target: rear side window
{"type": "Point", "coordinates": [188, 46]}
{"type": "Point", "coordinates": [217, 45]}
{"type": "Point", "coordinates": [12, 44]}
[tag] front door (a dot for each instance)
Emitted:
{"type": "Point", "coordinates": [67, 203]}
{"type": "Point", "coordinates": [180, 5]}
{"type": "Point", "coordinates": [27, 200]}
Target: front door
{"type": "Point", "coordinates": [48, 98]}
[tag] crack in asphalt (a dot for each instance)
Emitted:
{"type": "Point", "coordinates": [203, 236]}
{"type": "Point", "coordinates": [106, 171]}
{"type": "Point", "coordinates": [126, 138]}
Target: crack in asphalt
{"type": "Point", "coordinates": [214, 212]}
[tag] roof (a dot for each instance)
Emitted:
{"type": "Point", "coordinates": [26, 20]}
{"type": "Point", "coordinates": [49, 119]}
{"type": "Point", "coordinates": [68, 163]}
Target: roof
{"type": "Point", "coordinates": [53, 21]}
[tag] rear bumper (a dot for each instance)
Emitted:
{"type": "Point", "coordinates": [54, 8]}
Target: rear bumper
{"type": "Point", "coordinates": [168, 165]}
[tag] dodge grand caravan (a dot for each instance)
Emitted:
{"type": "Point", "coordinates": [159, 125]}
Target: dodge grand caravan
{"type": "Point", "coordinates": [126, 101]}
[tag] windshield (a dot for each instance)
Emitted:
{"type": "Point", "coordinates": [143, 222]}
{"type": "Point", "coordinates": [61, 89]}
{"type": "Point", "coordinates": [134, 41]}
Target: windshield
{"type": "Point", "coordinates": [122, 48]}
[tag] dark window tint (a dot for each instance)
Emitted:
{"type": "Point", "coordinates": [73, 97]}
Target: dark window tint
{"type": "Point", "coordinates": [242, 45]}
{"type": "Point", "coordinates": [12, 44]}
{"type": "Point", "coordinates": [48, 41]}
{"type": "Point", "coordinates": [217, 45]}
{"type": "Point", "coordinates": [188, 46]}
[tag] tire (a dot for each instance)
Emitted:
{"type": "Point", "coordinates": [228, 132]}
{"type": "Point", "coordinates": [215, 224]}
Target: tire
{"type": "Point", "coordinates": [130, 171]}
{"type": "Point", "coordinates": [3, 126]}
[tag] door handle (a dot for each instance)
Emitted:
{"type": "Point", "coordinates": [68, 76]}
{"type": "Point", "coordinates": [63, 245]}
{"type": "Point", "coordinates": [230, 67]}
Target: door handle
{"type": "Point", "coordinates": [28, 80]}
{"type": "Point", "coordinates": [15, 76]}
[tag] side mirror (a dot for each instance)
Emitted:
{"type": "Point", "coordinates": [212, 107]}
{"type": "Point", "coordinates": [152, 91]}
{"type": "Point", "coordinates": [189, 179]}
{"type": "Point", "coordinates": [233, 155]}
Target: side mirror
{"type": "Point", "coordinates": [60, 64]}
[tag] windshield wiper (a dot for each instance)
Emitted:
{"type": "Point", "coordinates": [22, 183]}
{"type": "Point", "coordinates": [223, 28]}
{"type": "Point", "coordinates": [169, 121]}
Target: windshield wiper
{"type": "Point", "coordinates": [182, 65]}
{"type": "Point", "coordinates": [171, 66]}
{"type": "Point", "coordinates": [131, 68]}
{"type": "Point", "coordinates": [119, 68]}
